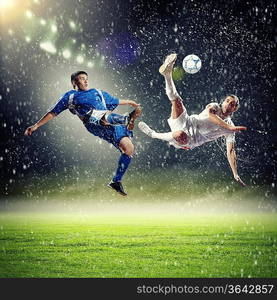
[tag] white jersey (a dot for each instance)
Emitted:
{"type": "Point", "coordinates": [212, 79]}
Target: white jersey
{"type": "Point", "coordinates": [200, 129]}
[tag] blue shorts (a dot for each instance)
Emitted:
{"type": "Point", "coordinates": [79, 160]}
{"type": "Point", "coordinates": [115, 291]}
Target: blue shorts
{"type": "Point", "coordinates": [110, 133]}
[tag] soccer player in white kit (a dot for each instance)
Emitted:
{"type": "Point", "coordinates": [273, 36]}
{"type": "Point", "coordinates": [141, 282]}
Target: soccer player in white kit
{"type": "Point", "coordinates": [188, 132]}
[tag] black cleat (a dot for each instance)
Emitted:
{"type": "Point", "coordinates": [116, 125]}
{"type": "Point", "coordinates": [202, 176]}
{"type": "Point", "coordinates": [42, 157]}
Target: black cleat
{"type": "Point", "coordinates": [132, 117]}
{"type": "Point", "coordinates": [117, 186]}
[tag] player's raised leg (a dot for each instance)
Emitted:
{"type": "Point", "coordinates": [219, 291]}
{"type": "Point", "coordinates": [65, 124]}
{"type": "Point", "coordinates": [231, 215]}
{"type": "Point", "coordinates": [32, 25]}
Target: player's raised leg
{"type": "Point", "coordinates": [127, 148]}
{"type": "Point", "coordinates": [165, 69]}
{"type": "Point", "coordinates": [177, 107]}
{"type": "Point", "coordinates": [165, 136]}
{"type": "Point", "coordinates": [179, 135]}
{"type": "Point", "coordinates": [116, 119]}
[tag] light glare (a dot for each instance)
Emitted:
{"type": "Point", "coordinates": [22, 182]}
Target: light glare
{"type": "Point", "coordinates": [54, 28]}
{"type": "Point", "coordinates": [48, 47]}
{"type": "Point", "coordinates": [29, 14]}
{"type": "Point", "coordinates": [66, 53]}
{"type": "Point", "coordinates": [6, 3]}
{"type": "Point", "coordinates": [80, 59]}
{"type": "Point", "coordinates": [72, 25]}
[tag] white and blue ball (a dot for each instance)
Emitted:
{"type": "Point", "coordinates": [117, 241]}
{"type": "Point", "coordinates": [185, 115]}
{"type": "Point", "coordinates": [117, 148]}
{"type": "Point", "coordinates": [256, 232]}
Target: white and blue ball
{"type": "Point", "coordinates": [192, 64]}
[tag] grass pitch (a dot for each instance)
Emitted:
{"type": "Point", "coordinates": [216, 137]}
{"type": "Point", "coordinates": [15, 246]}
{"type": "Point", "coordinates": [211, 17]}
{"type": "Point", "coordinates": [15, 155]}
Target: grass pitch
{"type": "Point", "coordinates": [137, 244]}
{"type": "Point", "coordinates": [181, 224]}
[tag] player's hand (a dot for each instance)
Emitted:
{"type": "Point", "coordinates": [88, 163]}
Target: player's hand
{"type": "Point", "coordinates": [30, 129]}
{"type": "Point", "coordinates": [238, 180]}
{"type": "Point", "coordinates": [237, 128]}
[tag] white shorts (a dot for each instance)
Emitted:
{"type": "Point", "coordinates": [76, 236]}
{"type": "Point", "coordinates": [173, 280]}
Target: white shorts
{"type": "Point", "coordinates": [98, 114]}
{"type": "Point", "coordinates": [179, 124]}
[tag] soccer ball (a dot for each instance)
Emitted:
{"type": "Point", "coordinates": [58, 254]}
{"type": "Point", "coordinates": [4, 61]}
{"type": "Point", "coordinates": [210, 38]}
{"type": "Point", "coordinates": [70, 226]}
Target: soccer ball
{"type": "Point", "coordinates": [192, 64]}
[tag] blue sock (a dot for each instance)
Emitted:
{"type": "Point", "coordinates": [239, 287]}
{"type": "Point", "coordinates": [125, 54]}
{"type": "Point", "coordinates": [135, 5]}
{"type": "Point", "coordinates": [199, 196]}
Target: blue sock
{"type": "Point", "coordinates": [123, 163]}
{"type": "Point", "coordinates": [116, 119]}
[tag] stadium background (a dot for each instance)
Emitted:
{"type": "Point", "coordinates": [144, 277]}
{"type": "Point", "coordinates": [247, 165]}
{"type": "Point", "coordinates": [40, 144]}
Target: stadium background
{"type": "Point", "coordinates": [121, 45]}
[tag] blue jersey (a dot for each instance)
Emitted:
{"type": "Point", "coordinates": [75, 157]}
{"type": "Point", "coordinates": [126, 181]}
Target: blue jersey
{"type": "Point", "coordinates": [85, 101]}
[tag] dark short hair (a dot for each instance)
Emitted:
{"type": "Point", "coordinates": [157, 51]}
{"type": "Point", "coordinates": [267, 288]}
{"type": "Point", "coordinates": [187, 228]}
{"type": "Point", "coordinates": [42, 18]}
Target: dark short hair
{"type": "Point", "coordinates": [76, 74]}
{"type": "Point", "coordinates": [233, 96]}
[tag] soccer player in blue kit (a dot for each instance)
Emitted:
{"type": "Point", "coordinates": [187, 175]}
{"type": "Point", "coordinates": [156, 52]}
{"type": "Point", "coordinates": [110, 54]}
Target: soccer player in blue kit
{"type": "Point", "coordinates": [93, 107]}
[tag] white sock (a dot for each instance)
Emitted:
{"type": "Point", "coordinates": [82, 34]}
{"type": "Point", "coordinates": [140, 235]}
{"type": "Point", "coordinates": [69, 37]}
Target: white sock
{"type": "Point", "coordinates": [165, 136]}
{"type": "Point", "coordinates": [170, 88]}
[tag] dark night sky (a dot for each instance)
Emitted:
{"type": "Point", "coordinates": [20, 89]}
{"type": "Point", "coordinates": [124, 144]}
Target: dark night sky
{"type": "Point", "coordinates": [122, 44]}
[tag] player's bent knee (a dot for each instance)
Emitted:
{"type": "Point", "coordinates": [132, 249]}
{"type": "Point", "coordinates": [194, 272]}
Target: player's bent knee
{"type": "Point", "coordinates": [130, 150]}
{"type": "Point", "coordinates": [127, 146]}
{"type": "Point", "coordinates": [177, 108]}
{"type": "Point", "coordinates": [181, 137]}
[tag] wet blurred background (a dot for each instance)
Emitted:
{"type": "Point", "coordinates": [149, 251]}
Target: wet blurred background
{"type": "Point", "coordinates": [121, 45]}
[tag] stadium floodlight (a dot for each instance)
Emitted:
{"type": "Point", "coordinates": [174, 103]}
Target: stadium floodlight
{"type": "Point", "coordinates": [6, 3]}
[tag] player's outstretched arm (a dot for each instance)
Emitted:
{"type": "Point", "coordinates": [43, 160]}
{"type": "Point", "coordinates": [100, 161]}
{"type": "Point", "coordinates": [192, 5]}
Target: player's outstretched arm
{"type": "Point", "coordinates": [128, 102]}
{"type": "Point", "coordinates": [220, 122]}
{"type": "Point", "coordinates": [232, 159]}
{"type": "Point", "coordinates": [46, 118]}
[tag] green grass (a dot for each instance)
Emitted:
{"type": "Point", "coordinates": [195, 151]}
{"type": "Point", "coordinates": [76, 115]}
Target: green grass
{"type": "Point", "coordinates": [174, 223]}
{"type": "Point", "coordinates": [136, 243]}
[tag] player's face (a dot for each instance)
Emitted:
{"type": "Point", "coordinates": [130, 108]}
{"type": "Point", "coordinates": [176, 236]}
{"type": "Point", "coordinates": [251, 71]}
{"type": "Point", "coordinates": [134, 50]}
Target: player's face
{"type": "Point", "coordinates": [82, 82]}
{"type": "Point", "coordinates": [229, 105]}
